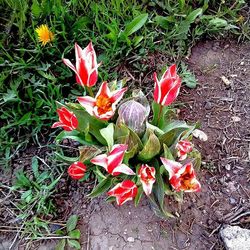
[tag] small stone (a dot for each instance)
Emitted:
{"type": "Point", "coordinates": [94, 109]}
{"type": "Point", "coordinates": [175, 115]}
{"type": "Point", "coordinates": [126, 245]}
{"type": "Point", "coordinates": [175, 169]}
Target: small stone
{"type": "Point", "coordinates": [228, 167]}
{"type": "Point", "coordinates": [242, 63]}
{"type": "Point", "coordinates": [208, 105]}
{"type": "Point", "coordinates": [232, 201]}
{"type": "Point", "coordinates": [226, 80]}
{"type": "Point", "coordinates": [235, 238]}
{"type": "Point", "coordinates": [236, 118]}
{"type": "Point", "coordinates": [131, 239]}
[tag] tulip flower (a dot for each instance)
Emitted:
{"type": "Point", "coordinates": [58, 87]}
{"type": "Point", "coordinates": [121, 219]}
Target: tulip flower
{"type": "Point", "coordinates": [86, 65]}
{"type": "Point", "coordinates": [77, 170]}
{"type": "Point", "coordinates": [104, 104]}
{"type": "Point", "coordinates": [147, 178]}
{"type": "Point", "coordinates": [167, 89]}
{"type": "Point", "coordinates": [67, 120]}
{"type": "Point", "coordinates": [183, 148]}
{"type": "Point", "coordinates": [124, 191]}
{"type": "Point", "coordinates": [181, 177]}
{"type": "Point", "coordinates": [113, 161]}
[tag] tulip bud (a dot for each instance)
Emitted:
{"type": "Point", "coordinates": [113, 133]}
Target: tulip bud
{"type": "Point", "coordinates": [77, 170]}
{"type": "Point", "coordinates": [133, 115]}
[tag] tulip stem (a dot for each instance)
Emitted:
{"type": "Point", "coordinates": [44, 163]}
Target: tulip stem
{"type": "Point", "coordinates": [159, 115]}
{"type": "Point", "coordinates": [89, 90]}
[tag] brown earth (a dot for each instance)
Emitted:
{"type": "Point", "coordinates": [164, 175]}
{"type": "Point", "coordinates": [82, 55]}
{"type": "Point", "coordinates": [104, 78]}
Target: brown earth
{"type": "Point", "coordinates": [223, 108]}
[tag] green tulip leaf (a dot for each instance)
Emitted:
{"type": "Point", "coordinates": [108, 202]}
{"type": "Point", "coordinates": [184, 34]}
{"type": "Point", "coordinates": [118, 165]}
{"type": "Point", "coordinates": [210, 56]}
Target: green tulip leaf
{"type": "Point", "coordinates": [108, 134]}
{"type": "Point", "coordinates": [102, 187]}
{"type": "Point", "coordinates": [151, 148]}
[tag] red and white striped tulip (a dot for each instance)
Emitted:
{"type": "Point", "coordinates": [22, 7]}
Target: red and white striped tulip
{"type": "Point", "coordinates": [181, 177]}
{"type": "Point", "coordinates": [103, 106]}
{"type": "Point", "coordinates": [67, 120]}
{"type": "Point", "coordinates": [77, 170]}
{"type": "Point", "coordinates": [86, 65]}
{"type": "Point", "coordinates": [167, 89]}
{"type": "Point", "coordinates": [124, 191]}
{"type": "Point", "coordinates": [183, 148]}
{"type": "Point", "coordinates": [147, 178]}
{"type": "Point", "coordinates": [113, 161]}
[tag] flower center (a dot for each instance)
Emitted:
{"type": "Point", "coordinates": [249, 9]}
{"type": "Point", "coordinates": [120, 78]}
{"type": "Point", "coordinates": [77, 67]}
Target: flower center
{"type": "Point", "coordinates": [186, 182]}
{"type": "Point", "coordinates": [103, 104]}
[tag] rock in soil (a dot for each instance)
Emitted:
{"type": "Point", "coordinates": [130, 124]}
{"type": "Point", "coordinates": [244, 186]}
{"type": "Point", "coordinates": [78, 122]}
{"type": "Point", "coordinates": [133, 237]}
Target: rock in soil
{"type": "Point", "coordinates": [235, 238]}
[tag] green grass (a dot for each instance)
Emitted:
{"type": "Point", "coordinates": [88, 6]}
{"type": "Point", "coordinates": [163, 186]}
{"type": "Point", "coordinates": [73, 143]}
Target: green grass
{"type": "Point", "coordinates": [33, 77]}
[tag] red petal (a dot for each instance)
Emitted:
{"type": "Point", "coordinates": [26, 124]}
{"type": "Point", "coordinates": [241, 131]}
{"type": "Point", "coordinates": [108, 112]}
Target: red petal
{"type": "Point", "coordinates": [171, 166]}
{"type": "Point", "coordinates": [117, 95]}
{"type": "Point", "coordinates": [116, 155]}
{"type": "Point", "coordinates": [172, 93]}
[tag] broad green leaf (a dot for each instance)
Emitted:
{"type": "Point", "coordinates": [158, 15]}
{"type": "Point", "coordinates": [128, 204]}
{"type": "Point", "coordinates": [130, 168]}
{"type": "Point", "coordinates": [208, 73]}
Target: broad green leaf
{"type": "Point", "coordinates": [162, 22]}
{"type": "Point", "coordinates": [135, 24]}
{"type": "Point", "coordinates": [168, 153]}
{"type": "Point", "coordinates": [75, 244]}
{"type": "Point", "coordinates": [71, 223]}
{"type": "Point", "coordinates": [124, 135]}
{"type": "Point", "coordinates": [108, 134]}
{"type": "Point", "coordinates": [174, 131]}
{"type": "Point", "coordinates": [90, 124]}
{"type": "Point", "coordinates": [161, 115]}
{"type": "Point", "coordinates": [151, 148]}
{"type": "Point", "coordinates": [102, 187]}
{"type": "Point", "coordinates": [138, 196]}
{"type": "Point", "coordinates": [193, 15]}
{"type": "Point", "coordinates": [218, 22]}
{"type": "Point", "coordinates": [75, 234]}
{"type": "Point", "coordinates": [61, 245]}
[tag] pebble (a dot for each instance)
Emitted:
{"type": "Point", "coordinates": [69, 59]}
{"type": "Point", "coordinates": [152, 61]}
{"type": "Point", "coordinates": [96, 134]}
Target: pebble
{"type": "Point", "coordinates": [228, 167]}
{"type": "Point", "coordinates": [131, 239]}
{"type": "Point", "coordinates": [232, 201]}
{"type": "Point", "coordinates": [208, 105]}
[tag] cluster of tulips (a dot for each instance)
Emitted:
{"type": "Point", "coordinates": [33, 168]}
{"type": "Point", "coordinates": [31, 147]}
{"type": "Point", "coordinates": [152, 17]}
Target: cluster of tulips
{"type": "Point", "coordinates": [129, 154]}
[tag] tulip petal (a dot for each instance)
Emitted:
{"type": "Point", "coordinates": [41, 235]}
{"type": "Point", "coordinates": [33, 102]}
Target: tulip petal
{"type": "Point", "coordinates": [147, 187]}
{"type": "Point", "coordinates": [117, 95]}
{"type": "Point", "coordinates": [104, 90]}
{"type": "Point", "coordinates": [88, 103]}
{"type": "Point", "coordinates": [57, 124]}
{"type": "Point", "coordinates": [172, 93]}
{"type": "Point", "coordinates": [157, 89]}
{"type": "Point", "coordinates": [171, 166]}
{"type": "Point", "coordinates": [116, 156]}
{"type": "Point", "coordinates": [83, 71]}
{"type": "Point", "coordinates": [93, 76]}
{"type": "Point", "coordinates": [105, 116]}
{"type": "Point", "coordinates": [170, 72]}
{"type": "Point", "coordinates": [122, 169]}
{"type": "Point", "coordinates": [71, 66]}
{"type": "Point", "coordinates": [100, 160]}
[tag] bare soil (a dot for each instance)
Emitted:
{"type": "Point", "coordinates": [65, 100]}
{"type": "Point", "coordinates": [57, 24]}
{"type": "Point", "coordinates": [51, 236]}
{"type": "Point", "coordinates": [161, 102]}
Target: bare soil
{"type": "Point", "coordinates": [223, 109]}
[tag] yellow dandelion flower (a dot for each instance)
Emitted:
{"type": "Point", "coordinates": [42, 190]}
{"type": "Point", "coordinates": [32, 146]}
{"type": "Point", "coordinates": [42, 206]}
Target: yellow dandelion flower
{"type": "Point", "coordinates": [44, 34]}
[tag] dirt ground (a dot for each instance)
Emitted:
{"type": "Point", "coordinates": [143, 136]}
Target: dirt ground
{"type": "Point", "coordinates": [221, 104]}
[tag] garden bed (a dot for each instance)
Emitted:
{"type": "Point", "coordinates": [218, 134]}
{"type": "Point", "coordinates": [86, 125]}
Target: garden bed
{"type": "Point", "coordinates": [221, 104]}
